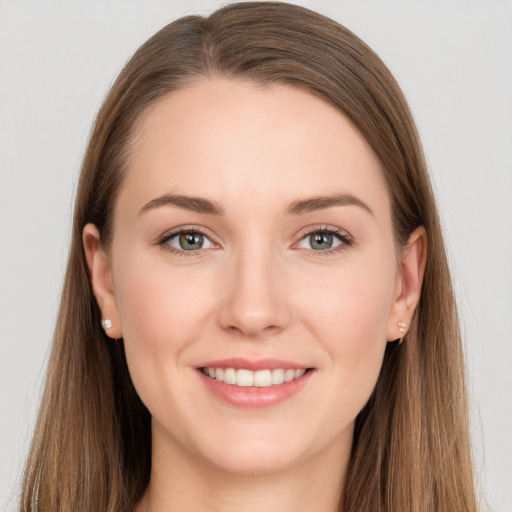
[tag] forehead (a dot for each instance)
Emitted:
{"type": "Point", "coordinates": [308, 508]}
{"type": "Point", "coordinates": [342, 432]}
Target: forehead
{"type": "Point", "coordinates": [228, 139]}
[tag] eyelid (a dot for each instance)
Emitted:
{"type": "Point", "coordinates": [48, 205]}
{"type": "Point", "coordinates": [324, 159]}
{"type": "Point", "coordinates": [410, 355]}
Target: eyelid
{"type": "Point", "coordinates": [171, 233]}
{"type": "Point", "coordinates": [181, 229]}
{"type": "Point", "coordinates": [346, 238]}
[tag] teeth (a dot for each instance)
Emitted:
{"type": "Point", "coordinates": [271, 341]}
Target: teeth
{"type": "Point", "coordinates": [277, 376]}
{"type": "Point", "coordinates": [248, 378]}
{"type": "Point", "coordinates": [263, 378]}
{"type": "Point", "coordinates": [230, 376]}
{"type": "Point", "coordinates": [244, 378]}
{"type": "Point", "coordinates": [289, 375]}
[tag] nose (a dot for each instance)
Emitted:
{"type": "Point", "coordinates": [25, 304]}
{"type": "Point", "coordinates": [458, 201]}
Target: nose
{"type": "Point", "coordinates": [255, 303]}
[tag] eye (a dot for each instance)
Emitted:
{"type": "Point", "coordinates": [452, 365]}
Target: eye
{"type": "Point", "coordinates": [189, 240]}
{"type": "Point", "coordinates": [323, 240]}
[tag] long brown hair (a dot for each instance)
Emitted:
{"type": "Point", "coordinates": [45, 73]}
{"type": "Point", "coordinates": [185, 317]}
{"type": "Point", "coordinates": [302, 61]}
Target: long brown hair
{"type": "Point", "coordinates": [411, 451]}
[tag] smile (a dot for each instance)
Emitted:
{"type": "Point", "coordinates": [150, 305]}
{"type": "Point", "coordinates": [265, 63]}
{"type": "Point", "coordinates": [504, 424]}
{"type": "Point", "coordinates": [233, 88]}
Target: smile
{"type": "Point", "coordinates": [254, 383]}
{"type": "Point", "coordinates": [247, 378]}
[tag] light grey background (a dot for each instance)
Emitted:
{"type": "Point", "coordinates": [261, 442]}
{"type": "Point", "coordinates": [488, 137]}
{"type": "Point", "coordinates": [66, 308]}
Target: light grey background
{"type": "Point", "coordinates": [454, 62]}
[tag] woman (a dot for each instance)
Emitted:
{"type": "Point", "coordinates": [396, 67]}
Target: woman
{"type": "Point", "coordinates": [257, 310]}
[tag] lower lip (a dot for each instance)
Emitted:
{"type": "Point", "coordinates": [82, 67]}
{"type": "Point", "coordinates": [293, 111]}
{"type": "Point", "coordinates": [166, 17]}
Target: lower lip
{"type": "Point", "coordinates": [255, 397]}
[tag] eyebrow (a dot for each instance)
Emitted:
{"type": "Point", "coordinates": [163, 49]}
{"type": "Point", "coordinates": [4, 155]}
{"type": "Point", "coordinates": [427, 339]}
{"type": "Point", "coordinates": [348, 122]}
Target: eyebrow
{"type": "Point", "coordinates": [300, 206]}
{"type": "Point", "coordinates": [195, 204]}
{"type": "Point", "coordinates": [314, 203]}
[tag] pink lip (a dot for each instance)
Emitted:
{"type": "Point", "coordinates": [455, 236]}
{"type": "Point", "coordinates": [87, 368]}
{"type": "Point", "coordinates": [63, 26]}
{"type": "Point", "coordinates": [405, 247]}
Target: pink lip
{"type": "Point", "coordinates": [254, 397]}
{"type": "Point", "coordinates": [253, 365]}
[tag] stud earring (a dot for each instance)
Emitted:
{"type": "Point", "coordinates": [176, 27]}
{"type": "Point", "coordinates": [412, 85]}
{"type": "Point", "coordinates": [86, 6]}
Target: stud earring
{"type": "Point", "coordinates": [402, 328]}
{"type": "Point", "coordinates": [106, 324]}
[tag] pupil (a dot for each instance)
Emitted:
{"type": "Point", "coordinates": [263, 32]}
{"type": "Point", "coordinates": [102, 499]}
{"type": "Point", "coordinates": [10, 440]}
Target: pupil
{"type": "Point", "coordinates": [191, 241]}
{"type": "Point", "coordinates": [321, 241]}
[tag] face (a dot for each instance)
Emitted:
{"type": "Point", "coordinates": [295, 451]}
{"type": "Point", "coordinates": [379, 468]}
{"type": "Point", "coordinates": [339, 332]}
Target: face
{"type": "Point", "coordinates": [253, 243]}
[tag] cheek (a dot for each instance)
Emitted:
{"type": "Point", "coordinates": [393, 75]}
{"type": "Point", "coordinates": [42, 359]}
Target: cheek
{"type": "Point", "coordinates": [162, 312]}
{"type": "Point", "coordinates": [348, 315]}
{"type": "Point", "coordinates": [351, 303]}
{"type": "Point", "coordinates": [158, 305]}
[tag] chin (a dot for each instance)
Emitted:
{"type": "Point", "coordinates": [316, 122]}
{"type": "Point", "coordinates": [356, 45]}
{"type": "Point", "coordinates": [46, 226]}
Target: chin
{"type": "Point", "coordinates": [250, 451]}
{"type": "Point", "coordinates": [256, 460]}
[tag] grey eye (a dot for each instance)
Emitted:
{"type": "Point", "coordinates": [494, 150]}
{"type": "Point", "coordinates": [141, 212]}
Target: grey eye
{"type": "Point", "coordinates": [190, 241]}
{"type": "Point", "coordinates": [320, 241]}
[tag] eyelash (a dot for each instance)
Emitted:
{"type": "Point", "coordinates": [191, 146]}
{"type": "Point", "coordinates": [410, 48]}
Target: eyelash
{"type": "Point", "coordinates": [164, 239]}
{"type": "Point", "coordinates": [345, 239]}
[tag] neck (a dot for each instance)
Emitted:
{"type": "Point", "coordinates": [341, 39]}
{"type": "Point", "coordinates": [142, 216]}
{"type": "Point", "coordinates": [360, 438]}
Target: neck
{"type": "Point", "coordinates": [181, 482]}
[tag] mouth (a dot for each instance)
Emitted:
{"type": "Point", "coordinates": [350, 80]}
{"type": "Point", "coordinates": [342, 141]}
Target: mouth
{"type": "Point", "coordinates": [254, 384]}
{"type": "Point", "coordinates": [247, 378]}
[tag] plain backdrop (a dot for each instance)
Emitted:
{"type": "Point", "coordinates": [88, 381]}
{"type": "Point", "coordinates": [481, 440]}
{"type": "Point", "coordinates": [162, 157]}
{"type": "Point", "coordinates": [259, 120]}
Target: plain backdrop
{"type": "Point", "coordinates": [454, 62]}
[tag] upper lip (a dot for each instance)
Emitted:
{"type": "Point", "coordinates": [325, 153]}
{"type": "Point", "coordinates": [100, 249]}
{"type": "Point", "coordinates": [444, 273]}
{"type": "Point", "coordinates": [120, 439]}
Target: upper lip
{"type": "Point", "coordinates": [254, 364]}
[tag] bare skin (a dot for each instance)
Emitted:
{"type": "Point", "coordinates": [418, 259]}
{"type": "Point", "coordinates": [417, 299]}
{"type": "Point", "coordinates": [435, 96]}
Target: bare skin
{"type": "Point", "coordinates": [254, 267]}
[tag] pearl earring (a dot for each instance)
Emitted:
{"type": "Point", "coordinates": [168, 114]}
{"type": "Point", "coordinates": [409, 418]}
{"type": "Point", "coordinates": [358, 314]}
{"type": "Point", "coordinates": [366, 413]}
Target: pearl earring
{"type": "Point", "coordinates": [402, 328]}
{"type": "Point", "coordinates": [106, 324]}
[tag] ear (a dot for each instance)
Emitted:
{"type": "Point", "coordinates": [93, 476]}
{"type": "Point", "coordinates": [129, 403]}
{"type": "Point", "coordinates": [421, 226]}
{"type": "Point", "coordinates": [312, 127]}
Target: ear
{"type": "Point", "coordinates": [100, 271]}
{"type": "Point", "coordinates": [409, 280]}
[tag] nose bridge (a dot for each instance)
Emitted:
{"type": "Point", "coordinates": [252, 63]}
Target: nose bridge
{"type": "Point", "coordinates": [255, 299]}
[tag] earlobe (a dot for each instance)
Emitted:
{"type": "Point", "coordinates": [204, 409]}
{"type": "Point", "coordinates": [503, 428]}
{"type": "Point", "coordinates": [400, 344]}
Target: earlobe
{"type": "Point", "coordinates": [100, 273]}
{"type": "Point", "coordinates": [412, 270]}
